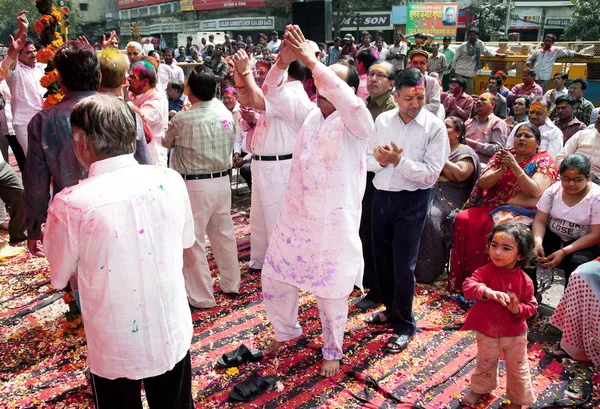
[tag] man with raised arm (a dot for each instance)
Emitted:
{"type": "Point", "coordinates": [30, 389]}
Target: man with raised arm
{"type": "Point", "coordinates": [315, 243]}
{"type": "Point", "coordinates": [271, 142]}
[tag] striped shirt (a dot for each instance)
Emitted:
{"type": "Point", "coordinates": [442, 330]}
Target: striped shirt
{"type": "Point", "coordinates": [201, 138]}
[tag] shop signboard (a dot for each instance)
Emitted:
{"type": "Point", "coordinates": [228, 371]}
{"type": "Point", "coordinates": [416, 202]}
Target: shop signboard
{"type": "Point", "coordinates": [437, 19]}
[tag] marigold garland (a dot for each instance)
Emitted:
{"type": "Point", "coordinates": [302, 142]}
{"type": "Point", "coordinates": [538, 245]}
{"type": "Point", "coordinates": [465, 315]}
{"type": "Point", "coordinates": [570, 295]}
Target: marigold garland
{"type": "Point", "coordinates": [51, 41]}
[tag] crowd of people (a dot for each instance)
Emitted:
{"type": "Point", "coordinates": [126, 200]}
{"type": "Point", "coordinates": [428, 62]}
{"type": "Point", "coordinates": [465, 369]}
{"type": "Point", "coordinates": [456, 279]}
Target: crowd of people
{"type": "Point", "coordinates": [365, 171]}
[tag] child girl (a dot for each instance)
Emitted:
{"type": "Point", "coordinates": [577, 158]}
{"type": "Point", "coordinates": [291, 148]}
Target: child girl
{"type": "Point", "coordinates": [504, 295]}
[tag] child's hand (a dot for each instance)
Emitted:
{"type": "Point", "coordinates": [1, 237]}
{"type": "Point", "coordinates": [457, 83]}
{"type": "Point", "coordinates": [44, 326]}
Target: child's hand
{"type": "Point", "coordinates": [497, 296]}
{"type": "Point", "coordinates": [513, 304]}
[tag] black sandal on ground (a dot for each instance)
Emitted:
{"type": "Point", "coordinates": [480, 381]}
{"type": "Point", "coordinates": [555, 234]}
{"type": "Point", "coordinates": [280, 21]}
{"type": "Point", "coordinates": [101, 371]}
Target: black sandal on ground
{"type": "Point", "coordinates": [557, 352]}
{"type": "Point", "coordinates": [238, 357]}
{"type": "Point", "coordinates": [254, 386]}
{"type": "Point", "coordinates": [400, 341]}
{"type": "Point", "coordinates": [375, 319]}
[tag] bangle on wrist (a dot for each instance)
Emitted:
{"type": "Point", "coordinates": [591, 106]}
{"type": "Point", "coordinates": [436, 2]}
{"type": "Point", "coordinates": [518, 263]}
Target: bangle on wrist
{"type": "Point", "coordinates": [246, 73]}
{"type": "Point", "coordinates": [242, 95]}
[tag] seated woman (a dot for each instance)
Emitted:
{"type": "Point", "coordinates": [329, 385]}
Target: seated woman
{"type": "Point", "coordinates": [576, 315]}
{"type": "Point", "coordinates": [566, 228]}
{"type": "Point", "coordinates": [515, 177]}
{"type": "Point", "coordinates": [450, 193]}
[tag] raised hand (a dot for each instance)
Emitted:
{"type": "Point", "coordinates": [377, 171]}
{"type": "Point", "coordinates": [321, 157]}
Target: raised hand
{"type": "Point", "coordinates": [23, 23]}
{"type": "Point", "coordinates": [242, 62]}
{"type": "Point", "coordinates": [300, 46]}
{"type": "Point", "coordinates": [286, 55]}
{"type": "Point", "coordinates": [108, 42]}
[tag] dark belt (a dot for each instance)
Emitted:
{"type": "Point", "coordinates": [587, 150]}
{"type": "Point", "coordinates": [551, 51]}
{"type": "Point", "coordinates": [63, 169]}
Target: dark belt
{"type": "Point", "coordinates": [271, 158]}
{"type": "Point", "coordinates": [206, 175]}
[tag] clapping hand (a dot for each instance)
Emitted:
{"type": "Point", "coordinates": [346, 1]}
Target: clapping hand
{"type": "Point", "coordinates": [508, 159]}
{"type": "Point", "coordinates": [513, 303]}
{"type": "Point", "coordinates": [386, 155]}
{"type": "Point", "coordinates": [242, 62]}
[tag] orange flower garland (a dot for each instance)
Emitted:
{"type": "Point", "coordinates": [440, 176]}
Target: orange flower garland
{"type": "Point", "coordinates": [45, 55]}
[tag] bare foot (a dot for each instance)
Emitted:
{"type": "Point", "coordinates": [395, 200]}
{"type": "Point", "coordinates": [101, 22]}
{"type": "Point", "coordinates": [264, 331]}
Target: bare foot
{"type": "Point", "coordinates": [330, 368]}
{"type": "Point", "coordinates": [470, 399]}
{"type": "Point", "coordinates": [272, 347]}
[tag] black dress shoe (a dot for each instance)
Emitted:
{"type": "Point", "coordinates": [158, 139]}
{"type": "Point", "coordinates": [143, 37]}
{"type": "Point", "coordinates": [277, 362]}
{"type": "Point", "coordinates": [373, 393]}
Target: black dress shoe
{"type": "Point", "coordinates": [400, 342]}
{"type": "Point", "coordinates": [366, 304]}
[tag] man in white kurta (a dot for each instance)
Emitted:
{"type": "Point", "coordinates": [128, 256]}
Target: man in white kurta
{"type": "Point", "coordinates": [315, 243]}
{"type": "Point", "coordinates": [122, 232]}
{"type": "Point", "coordinates": [271, 144]}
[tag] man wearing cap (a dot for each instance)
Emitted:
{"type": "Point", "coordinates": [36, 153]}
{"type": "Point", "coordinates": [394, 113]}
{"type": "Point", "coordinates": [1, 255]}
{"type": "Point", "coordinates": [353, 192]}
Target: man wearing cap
{"type": "Point", "coordinates": [349, 47]}
{"type": "Point", "coordinates": [275, 43]}
{"type": "Point", "coordinates": [467, 58]}
{"type": "Point", "coordinates": [545, 58]}
{"type": "Point", "coordinates": [418, 60]}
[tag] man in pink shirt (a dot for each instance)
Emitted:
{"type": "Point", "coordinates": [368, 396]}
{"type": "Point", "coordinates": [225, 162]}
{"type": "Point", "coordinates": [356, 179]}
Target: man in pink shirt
{"type": "Point", "coordinates": [486, 133]}
{"type": "Point", "coordinates": [527, 87]}
{"type": "Point", "coordinates": [151, 105]}
{"type": "Point", "coordinates": [26, 91]}
{"type": "Point", "coordinates": [458, 102]}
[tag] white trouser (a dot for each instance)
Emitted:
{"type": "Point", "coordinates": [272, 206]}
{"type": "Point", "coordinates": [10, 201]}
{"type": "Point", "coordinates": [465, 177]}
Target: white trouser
{"type": "Point", "coordinates": [211, 206]}
{"type": "Point", "coordinates": [269, 184]}
{"type": "Point", "coordinates": [281, 303]}
{"type": "Point", "coordinates": [158, 152]}
{"type": "Point", "coordinates": [21, 134]}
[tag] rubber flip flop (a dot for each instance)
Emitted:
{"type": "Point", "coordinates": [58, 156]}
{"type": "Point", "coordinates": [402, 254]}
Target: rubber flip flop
{"type": "Point", "coordinates": [254, 386]}
{"type": "Point", "coordinates": [557, 352]}
{"type": "Point", "coordinates": [240, 356]}
{"type": "Point", "coordinates": [375, 319]}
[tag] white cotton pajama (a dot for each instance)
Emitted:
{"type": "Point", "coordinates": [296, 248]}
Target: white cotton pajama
{"type": "Point", "coordinates": [281, 303]}
{"type": "Point", "coordinates": [211, 206]}
{"type": "Point", "coordinates": [269, 185]}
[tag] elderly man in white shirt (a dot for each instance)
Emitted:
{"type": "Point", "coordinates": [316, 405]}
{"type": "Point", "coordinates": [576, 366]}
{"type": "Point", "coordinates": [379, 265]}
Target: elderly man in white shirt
{"type": "Point", "coordinates": [552, 137]}
{"type": "Point", "coordinates": [27, 94]}
{"type": "Point", "coordinates": [152, 105]}
{"type": "Point", "coordinates": [271, 144]}
{"type": "Point", "coordinates": [121, 233]}
{"type": "Point", "coordinates": [587, 143]}
{"type": "Point", "coordinates": [408, 152]}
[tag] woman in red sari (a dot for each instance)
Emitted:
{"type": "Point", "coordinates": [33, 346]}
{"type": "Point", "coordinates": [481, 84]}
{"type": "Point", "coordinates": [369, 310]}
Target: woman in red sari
{"type": "Point", "coordinates": [515, 177]}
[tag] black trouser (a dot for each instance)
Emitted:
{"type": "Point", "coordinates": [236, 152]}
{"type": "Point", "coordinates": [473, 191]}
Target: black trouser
{"type": "Point", "coordinates": [11, 193]}
{"type": "Point", "coordinates": [246, 171]}
{"type": "Point", "coordinates": [365, 232]}
{"type": "Point", "coordinates": [171, 390]}
{"type": "Point", "coordinates": [17, 151]}
{"type": "Point", "coordinates": [398, 222]}
{"type": "Point", "coordinates": [553, 243]}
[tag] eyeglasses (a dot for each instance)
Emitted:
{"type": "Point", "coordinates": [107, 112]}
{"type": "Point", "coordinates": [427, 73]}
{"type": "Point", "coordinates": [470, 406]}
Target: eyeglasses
{"type": "Point", "coordinates": [377, 75]}
{"type": "Point", "coordinates": [567, 180]}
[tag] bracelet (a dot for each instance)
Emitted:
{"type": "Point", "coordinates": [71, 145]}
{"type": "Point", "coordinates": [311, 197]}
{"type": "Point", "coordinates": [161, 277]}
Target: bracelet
{"type": "Point", "coordinates": [239, 87]}
{"type": "Point", "coordinates": [521, 175]}
{"type": "Point", "coordinates": [246, 73]}
{"type": "Point", "coordinates": [242, 95]}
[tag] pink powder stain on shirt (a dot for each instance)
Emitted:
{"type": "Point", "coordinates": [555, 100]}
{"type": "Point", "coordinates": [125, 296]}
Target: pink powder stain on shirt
{"type": "Point", "coordinates": [142, 231]}
{"type": "Point", "coordinates": [116, 235]}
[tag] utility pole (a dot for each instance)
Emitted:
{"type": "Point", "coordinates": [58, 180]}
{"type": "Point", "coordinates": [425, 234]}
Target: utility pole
{"type": "Point", "coordinates": [358, 39]}
{"type": "Point", "coordinates": [507, 24]}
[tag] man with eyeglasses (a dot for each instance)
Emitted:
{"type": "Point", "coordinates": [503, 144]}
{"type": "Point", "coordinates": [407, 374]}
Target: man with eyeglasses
{"type": "Point", "coordinates": [380, 83]}
{"type": "Point", "coordinates": [587, 143]}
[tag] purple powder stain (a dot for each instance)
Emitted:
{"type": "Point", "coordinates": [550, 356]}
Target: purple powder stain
{"type": "Point", "coordinates": [116, 235]}
{"type": "Point", "coordinates": [142, 231]}
{"type": "Point", "coordinates": [289, 240]}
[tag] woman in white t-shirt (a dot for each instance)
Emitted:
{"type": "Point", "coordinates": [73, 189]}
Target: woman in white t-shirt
{"type": "Point", "coordinates": [566, 228]}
